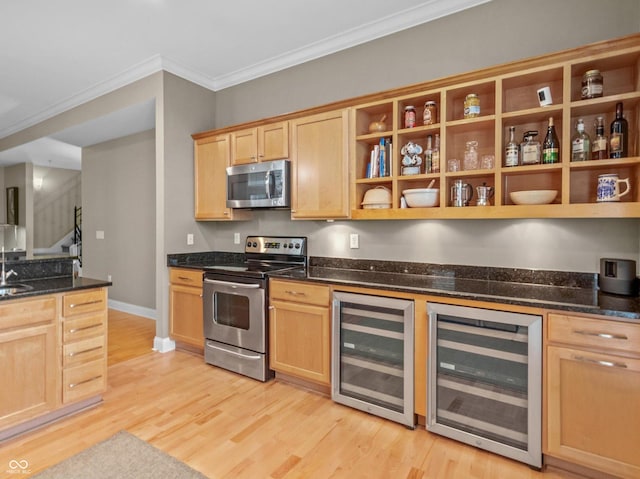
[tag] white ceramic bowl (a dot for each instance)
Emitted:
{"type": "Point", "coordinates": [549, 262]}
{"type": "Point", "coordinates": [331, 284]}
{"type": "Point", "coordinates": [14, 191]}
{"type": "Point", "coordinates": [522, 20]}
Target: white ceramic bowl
{"type": "Point", "coordinates": [378, 197]}
{"type": "Point", "coordinates": [533, 197]}
{"type": "Point", "coordinates": [422, 197]}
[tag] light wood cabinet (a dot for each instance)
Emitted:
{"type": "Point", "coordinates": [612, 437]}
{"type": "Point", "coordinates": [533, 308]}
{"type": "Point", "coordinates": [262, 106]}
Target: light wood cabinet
{"type": "Point", "coordinates": [29, 357]}
{"type": "Point", "coordinates": [300, 330]}
{"type": "Point", "coordinates": [84, 344]}
{"type": "Point", "coordinates": [593, 393]}
{"type": "Point", "coordinates": [320, 175]}
{"type": "Point", "coordinates": [185, 307]}
{"type": "Point", "coordinates": [508, 97]}
{"type": "Point", "coordinates": [263, 143]}
{"type": "Point", "coordinates": [211, 158]}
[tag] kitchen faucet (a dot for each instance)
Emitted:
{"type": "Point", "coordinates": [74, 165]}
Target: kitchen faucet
{"type": "Point", "coordinates": [4, 276]}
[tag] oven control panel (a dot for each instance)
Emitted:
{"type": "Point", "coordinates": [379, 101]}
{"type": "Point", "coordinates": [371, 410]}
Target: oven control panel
{"type": "Point", "coordinates": [276, 245]}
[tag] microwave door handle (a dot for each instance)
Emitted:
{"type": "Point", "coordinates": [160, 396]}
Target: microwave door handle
{"type": "Point", "coordinates": [268, 182]}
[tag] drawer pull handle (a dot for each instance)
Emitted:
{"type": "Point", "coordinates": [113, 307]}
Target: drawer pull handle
{"type": "Point", "coordinates": [76, 305]}
{"type": "Point", "coordinates": [295, 293]}
{"type": "Point", "coordinates": [77, 330]}
{"type": "Point", "coordinates": [601, 335]}
{"type": "Point", "coordinates": [600, 362]}
{"type": "Point", "coordinates": [184, 278]}
{"type": "Point", "coordinates": [72, 354]}
{"type": "Point", "coordinates": [73, 385]}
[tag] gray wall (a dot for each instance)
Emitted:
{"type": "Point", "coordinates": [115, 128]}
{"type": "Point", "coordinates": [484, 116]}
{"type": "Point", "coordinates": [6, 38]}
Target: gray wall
{"type": "Point", "coordinates": [118, 191]}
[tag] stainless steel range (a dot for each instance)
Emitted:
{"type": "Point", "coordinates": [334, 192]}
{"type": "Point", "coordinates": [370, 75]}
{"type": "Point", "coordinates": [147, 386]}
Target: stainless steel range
{"type": "Point", "coordinates": [235, 301]}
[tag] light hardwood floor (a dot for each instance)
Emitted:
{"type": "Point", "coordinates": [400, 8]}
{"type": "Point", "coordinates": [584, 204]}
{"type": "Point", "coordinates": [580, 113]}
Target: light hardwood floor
{"type": "Point", "coordinates": [229, 426]}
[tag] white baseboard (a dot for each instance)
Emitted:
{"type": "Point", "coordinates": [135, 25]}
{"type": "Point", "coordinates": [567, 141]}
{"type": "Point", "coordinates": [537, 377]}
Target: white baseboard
{"type": "Point", "coordinates": [133, 309]}
{"type": "Point", "coordinates": [163, 345]}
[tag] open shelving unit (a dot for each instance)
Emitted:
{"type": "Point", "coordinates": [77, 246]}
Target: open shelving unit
{"type": "Point", "coordinates": [508, 96]}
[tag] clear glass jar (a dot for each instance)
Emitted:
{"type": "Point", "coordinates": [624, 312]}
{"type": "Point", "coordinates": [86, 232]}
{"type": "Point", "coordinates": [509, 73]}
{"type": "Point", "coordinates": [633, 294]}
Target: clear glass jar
{"type": "Point", "coordinates": [430, 115]}
{"type": "Point", "coordinates": [471, 106]}
{"type": "Point", "coordinates": [592, 85]}
{"type": "Point", "coordinates": [471, 156]}
{"type": "Point", "coordinates": [409, 116]}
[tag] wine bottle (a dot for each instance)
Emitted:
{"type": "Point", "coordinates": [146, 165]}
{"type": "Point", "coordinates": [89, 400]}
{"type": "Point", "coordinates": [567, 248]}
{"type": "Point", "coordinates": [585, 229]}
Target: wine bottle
{"type": "Point", "coordinates": [600, 145]}
{"type": "Point", "coordinates": [435, 155]}
{"type": "Point", "coordinates": [551, 145]}
{"type": "Point", "coordinates": [511, 149]}
{"type": "Point", "coordinates": [580, 143]}
{"type": "Point", "coordinates": [619, 139]}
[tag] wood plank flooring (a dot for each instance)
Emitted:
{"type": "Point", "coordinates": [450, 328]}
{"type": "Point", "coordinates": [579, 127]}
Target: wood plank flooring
{"type": "Point", "coordinates": [229, 426]}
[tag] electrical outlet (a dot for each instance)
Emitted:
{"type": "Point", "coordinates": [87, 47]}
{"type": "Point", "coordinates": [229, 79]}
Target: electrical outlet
{"type": "Point", "coordinates": [236, 238]}
{"type": "Point", "coordinates": [99, 234]}
{"type": "Point", "coordinates": [354, 241]}
{"type": "Point", "coordinates": [189, 238]}
{"type": "Point", "coordinates": [109, 277]}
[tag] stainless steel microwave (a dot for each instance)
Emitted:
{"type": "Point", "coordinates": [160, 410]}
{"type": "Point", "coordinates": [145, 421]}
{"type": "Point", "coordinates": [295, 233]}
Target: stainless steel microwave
{"type": "Point", "coordinates": [259, 185]}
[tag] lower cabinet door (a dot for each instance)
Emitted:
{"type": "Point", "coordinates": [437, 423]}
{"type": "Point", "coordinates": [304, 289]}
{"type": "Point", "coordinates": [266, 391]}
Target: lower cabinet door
{"type": "Point", "coordinates": [300, 342]}
{"type": "Point", "coordinates": [593, 410]}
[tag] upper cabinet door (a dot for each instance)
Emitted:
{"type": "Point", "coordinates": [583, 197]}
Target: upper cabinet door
{"type": "Point", "coordinates": [320, 166]}
{"type": "Point", "coordinates": [273, 141]}
{"type": "Point", "coordinates": [211, 160]}
{"type": "Point", "coordinates": [244, 146]}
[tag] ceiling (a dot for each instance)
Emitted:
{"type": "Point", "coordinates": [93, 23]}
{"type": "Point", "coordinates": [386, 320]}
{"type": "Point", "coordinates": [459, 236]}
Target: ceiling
{"type": "Point", "coordinates": [58, 55]}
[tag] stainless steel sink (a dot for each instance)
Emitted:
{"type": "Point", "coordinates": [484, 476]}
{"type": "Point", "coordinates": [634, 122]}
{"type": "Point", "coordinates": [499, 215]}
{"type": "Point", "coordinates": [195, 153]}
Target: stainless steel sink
{"type": "Point", "coordinates": [11, 289]}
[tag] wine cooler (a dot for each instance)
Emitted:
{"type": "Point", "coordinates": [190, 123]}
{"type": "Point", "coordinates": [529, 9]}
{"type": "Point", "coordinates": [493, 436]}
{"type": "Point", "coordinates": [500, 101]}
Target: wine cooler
{"type": "Point", "coordinates": [485, 379]}
{"type": "Point", "coordinates": [372, 355]}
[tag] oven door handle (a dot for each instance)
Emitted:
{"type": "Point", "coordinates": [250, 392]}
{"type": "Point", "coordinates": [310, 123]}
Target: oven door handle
{"type": "Point", "coordinates": [246, 356]}
{"type": "Point", "coordinates": [231, 284]}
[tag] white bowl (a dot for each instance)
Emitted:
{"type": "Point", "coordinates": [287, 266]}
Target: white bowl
{"type": "Point", "coordinates": [422, 197]}
{"type": "Point", "coordinates": [533, 197]}
{"type": "Point", "coordinates": [378, 197]}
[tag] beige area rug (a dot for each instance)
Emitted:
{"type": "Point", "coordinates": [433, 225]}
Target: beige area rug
{"type": "Point", "coordinates": [120, 456]}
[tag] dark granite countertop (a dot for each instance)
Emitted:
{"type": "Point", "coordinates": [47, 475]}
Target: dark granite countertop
{"type": "Point", "coordinates": [564, 291]}
{"type": "Point", "coordinates": [47, 276]}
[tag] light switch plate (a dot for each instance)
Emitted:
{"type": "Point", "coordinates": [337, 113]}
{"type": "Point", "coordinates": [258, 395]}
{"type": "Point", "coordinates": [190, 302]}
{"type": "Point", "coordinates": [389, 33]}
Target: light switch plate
{"type": "Point", "coordinates": [236, 238]}
{"type": "Point", "coordinates": [99, 234]}
{"type": "Point", "coordinates": [354, 241]}
{"type": "Point", "coordinates": [189, 238]}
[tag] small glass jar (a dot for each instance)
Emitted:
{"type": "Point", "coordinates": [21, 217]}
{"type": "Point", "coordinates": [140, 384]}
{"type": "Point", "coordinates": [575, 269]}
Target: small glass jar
{"type": "Point", "coordinates": [409, 116]}
{"type": "Point", "coordinates": [471, 106]}
{"type": "Point", "coordinates": [592, 85]}
{"type": "Point", "coordinates": [430, 115]}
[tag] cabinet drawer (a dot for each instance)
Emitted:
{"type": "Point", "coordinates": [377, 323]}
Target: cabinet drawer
{"type": "Point", "coordinates": [84, 381]}
{"type": "Point", "coordinates": [594, 333]}
{"type": "Point", "coordinates": [84, 302]}
{"type": "Point", "coordinates": [21, 313]}
{"type": "Point", "coordinates": [186, 277]}
{"type": "Point", "coordinates": [299, 292]}
{"type": "Point", "coordinates": [74, 329]}
{"type": "Point", "coordinates": [84, 351]}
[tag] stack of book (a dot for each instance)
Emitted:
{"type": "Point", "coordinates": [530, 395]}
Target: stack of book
{"type": "Point", "coordinates": [381, 161]}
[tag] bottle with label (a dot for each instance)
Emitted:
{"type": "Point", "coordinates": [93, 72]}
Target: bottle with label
{"type": "Point", "coordinates": [619, 139]}
{"type": "Point", "coordinates": [530, 149]}
{"type": "Point", "coordinates": [551, 145]}
{"type": "Point", "coordinates": [435, 155]}
{"type": "Point", "coordinates": [600, 144]}
{"type": "Point", "coordinates": [580, 143]}
{"type": "Point", "coordinates": [511, 149]}
{"type": "Point", "coordinates": [428, 156]}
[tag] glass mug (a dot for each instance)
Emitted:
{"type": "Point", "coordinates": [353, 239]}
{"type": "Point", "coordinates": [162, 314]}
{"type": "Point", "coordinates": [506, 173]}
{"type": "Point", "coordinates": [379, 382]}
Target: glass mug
{"type": "Point", "coordinates": [609, 188]}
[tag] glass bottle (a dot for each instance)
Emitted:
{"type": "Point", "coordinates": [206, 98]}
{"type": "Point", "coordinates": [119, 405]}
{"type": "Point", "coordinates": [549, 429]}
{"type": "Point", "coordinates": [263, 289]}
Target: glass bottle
{"type": "Point", "coordinates": [471, 156]}
{"type": "Point", "coordinates": [551, 145]}
{"type": "Point", "coordinates": [435, 155]}
{"type": "Point", "coordinates": [580, 143]}
{"type": "Point", "coordinates": [530, 149]}
{"type": "Point", "coordinates": [428, 156]}
{"type": "Point", "coordinates": [600, 144]}
{"type": "Point", "coordinates": [511, 149]}
{"type": "Point", "coordinates": [619, 139]}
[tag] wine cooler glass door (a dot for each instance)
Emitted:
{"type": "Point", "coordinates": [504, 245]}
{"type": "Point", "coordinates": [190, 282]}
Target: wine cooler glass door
{"type": "Point", "coordinates": [485, 379]}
